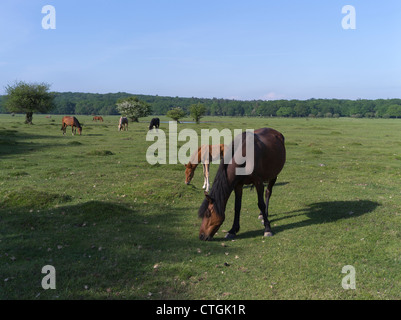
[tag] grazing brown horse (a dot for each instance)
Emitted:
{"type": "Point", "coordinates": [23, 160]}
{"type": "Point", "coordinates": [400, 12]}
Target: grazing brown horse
{"type": "Point", "coordinates": [73, 122]}
{"type": "Point", "coordinates": [123, 124]}
{"type": "Point", "coordinates": [205, 154]}
{"type": "Point", "coordinates": [98, 118]}
{"type": "Point", "coordinates": [268, 160]}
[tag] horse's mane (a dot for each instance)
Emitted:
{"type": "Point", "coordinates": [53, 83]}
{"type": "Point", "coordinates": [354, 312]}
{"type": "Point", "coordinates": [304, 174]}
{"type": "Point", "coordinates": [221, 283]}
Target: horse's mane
{"type": "Point", "coordinates": [194, 157]}
{"type": "Point", "coordinates": [219, 193]}
{"type": "Point", "coordinates": [79, 125]}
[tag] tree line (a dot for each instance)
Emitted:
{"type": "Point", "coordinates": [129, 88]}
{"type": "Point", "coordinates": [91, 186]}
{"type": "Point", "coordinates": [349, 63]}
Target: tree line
{"type": "Point", "coordinates": [106, 104]}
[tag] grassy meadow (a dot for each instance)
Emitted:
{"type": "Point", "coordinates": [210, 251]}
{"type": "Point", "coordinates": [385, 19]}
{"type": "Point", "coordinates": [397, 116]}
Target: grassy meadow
{"type": "Point", "coordinates": [116, 227]}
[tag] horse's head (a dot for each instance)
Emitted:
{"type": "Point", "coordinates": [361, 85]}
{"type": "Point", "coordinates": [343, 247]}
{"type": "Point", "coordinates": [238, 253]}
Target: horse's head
{"type": "Point", "coordinates": [189, 172]}
{"type": "Point", "coordinates": [211, 219]}
{"type": "Point", "coordinates": [80, 129]}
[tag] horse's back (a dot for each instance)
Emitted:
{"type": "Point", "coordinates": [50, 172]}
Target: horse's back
{"type": "Point", "coordinates": [207, 153]}
{"type": "Point", "coordinates": [71, 121]}
{"type": "Point", "coordinates": [269, 134]}
{"type": "Point", "coordinates": [155, 122]}
{"type": "Point", "coordinates": [68, 120]}
{"type": "Point", "coordinates": [270, 153]}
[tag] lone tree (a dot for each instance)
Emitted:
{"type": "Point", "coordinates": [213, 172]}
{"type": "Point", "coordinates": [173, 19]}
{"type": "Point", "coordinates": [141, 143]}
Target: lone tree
{"type": "Point", "coordinates": [29, 98]}
{"type": "Point", "coordinates": [176, 114]}
{"type": "Point", "coordinates": [197, 111]}
{"type": "Point", "coordinates": [133, 108]}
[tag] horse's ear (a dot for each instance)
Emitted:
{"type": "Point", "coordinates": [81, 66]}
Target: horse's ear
{"type": "Point", "coordinates": [208, 198]}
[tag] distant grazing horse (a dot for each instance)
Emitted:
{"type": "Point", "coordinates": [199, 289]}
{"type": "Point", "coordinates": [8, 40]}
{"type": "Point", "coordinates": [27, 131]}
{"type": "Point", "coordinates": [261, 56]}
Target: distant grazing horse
{"type": "Point", "coordinates": [98, 118]}
{"type": "Point", "coordinates": [205, 154]}
{"type": "Point", "coordinates": [155, 122]}
{"type": "Point", "coordinates": [123, 124]}
{"type": "Point", "coordinates": [73, 122]}
{"type": "Point", "coordinates": [269, 158]}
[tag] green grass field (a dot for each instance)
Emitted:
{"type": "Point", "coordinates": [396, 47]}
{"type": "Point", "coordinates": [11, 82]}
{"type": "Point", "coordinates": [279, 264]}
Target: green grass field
{"type": "Point", "coordinates": [115, 227]}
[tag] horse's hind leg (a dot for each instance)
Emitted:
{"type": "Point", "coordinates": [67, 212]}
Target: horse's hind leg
{"type": "Point", "coordinates": [263, 209]}
{"type": "Point", "coordinates": [268, 194]}
{"type": "Point", "coordinates": [238, 200]}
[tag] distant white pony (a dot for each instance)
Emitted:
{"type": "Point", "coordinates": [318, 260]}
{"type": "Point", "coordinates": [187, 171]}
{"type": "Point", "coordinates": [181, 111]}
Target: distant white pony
{"type": "Point", "coordinates": [123, 124]}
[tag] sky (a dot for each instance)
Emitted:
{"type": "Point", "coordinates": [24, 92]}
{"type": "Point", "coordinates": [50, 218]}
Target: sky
{"type": "Point", "coordinates": [232, 49]}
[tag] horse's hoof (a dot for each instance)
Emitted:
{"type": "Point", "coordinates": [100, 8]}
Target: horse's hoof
{"type": "Point", "coordinates": [260, 217]}
{"type": "Point", "coordinates": [268, 234]}
{"type": "Point", "coordinates": [230, 236]}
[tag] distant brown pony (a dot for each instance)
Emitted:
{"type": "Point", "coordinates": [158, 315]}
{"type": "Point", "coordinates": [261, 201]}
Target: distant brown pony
{"type": "Point", "coordinates": [73, 122]}
{"type": "Point", "coordinates": [205, 154]}
{"type": "Point", "coordinates": [268, 160]}
{"type": "Point", "coordinates": [98, 118]}
{"type": "Point", "coordinates": [123, 124]}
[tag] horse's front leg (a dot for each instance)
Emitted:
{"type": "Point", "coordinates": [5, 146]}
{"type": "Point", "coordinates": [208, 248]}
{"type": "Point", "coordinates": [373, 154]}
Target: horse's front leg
{"type": "Point", "coordinates": [238, 201]}
{"type": "Point", "coordinates": [204, 175]}
{"type": "Point", "coordinates": [207, 177]}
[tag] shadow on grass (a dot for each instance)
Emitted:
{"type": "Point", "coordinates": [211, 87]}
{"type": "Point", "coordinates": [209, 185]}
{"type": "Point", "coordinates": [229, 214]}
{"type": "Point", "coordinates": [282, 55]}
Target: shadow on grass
{"type": "Point", "coordinates": [14, 142]}
{"type": "Point", "coordinates": [278, 184]}
{"type": "Point", "coordinates": [99, 248]}
{"type": "Point", "coordinates": [319, 213]}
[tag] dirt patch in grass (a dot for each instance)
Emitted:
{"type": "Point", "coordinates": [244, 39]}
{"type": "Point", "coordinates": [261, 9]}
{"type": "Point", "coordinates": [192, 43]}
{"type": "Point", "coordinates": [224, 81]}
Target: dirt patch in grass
{"type": "Point", "coordinates": [6, 142]}
{"type": "Point", "coordinates": [100, 153]}
{"type": "Point", "coordinates": [74, 143]}
{"type": "Point", "coordinates": [19, 174]}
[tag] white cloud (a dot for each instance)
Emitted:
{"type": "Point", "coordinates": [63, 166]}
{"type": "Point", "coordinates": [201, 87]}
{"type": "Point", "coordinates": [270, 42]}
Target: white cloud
{"type": "Point", "coordinates": [272, 96]}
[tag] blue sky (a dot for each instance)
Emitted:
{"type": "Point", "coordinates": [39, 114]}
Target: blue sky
{"type": "Point", "coordinates": [225, 49]}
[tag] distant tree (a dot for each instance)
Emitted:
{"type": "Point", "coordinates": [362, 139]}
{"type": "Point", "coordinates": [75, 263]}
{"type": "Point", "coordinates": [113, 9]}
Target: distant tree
{"type": "Point", "coordinates": [2, 108]}
{"type": "Point", "coordinates": [29, 98]}
{"type": "Point", "coordinates": [301, 109]}
{"type": "Point", "coordinates": [285, 112]}
{"type": "Point", "coordinates": [133, 108]}
{"type": "Point", "coordinates": [197, 111]}
{"type": "Point", "coordinates": [394, 111]}
{"type": "Point", "coordinates": [176, 114]}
